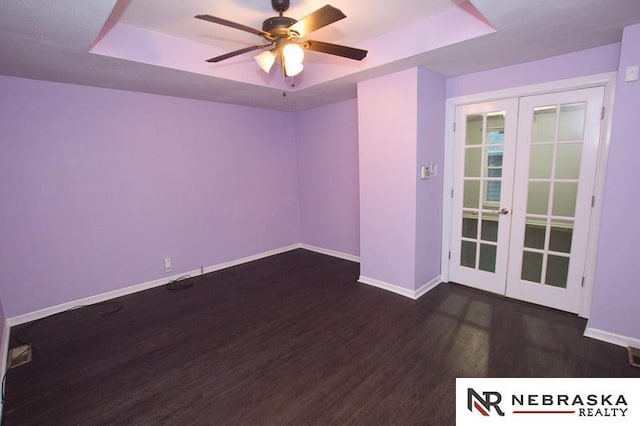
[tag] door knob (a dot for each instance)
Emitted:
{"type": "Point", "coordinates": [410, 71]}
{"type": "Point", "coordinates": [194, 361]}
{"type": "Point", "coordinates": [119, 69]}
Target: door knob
{"type": "Point", "coordinates": [504, 211]}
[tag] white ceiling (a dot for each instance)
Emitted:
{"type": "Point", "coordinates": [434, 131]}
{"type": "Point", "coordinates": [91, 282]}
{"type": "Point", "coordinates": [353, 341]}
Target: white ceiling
{"type": "Point", "coordinates": [157, 46]}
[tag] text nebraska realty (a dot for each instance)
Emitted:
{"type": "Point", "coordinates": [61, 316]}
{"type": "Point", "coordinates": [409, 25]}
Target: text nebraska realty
{"type": "Point", "coordinates": [584, 405]}
{"type": "Point", "coordinates": [590, 405]}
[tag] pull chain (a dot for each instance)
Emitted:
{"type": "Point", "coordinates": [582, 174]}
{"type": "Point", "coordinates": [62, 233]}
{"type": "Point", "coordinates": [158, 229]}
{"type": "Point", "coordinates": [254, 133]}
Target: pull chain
{"type": "Point", "coordinates": [284, 83]}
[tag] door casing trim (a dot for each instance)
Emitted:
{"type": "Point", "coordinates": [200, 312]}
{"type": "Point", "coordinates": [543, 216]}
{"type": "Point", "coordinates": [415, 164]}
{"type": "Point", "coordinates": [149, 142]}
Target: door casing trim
{"type": "Point", "coordinates": [608, 80]}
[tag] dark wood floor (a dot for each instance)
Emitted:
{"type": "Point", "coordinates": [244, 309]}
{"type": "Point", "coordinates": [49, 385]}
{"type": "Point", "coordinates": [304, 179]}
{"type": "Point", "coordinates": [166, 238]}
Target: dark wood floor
{"type": "Point", "coordinates": [290, 339]}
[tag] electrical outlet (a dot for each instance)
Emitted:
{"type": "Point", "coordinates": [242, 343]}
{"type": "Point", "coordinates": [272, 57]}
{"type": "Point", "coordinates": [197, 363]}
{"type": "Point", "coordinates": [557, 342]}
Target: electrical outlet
{"type": "Point", "coordinates": [631, 73]}
{"type": "Point", "coordinates": [167, 264]}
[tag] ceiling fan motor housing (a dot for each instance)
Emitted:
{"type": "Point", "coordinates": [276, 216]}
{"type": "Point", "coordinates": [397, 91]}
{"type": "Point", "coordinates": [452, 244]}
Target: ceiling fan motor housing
{"type": "Point", "coordinates": [278, 25]}
{"type": "Point", "coordinates": [280, 5]}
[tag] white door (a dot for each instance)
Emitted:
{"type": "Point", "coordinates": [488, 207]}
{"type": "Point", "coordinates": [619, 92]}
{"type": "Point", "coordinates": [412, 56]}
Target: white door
{"type": "Point", "coordinates": [485, 148]}
{"type": "Point", "coordinates": [558, 138]}
{"type": "Point", "coordinates": [523, 184]}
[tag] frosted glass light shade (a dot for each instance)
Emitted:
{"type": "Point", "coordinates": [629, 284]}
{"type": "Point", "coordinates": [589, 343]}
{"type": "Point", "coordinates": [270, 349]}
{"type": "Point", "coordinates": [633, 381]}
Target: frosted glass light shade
{"type": "Point", "coordinates": [293, 52]}
{"type": "Point", "coordinates": [293, 55]}
{"type": "Point", "coordinates": [294, 69]}
{"type": "Point", "coordinates": [266, 60]}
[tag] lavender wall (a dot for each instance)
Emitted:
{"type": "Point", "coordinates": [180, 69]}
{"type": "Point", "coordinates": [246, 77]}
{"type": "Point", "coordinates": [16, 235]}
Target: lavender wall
{"type": "Point", "coordinates": [401, 125]}
{"type": "Point", "coordinates": [97, 186]}
{"type": "Point", "coordinates": [585, 62]}
{"type": "Point", "coordinates": [616, 297]}
{"type": "Point", "coordinates": [387, 115]}
{"type": "Point", "coordinates": [430, 148]}
{"type": "Point", "coordinates": [327, 143]}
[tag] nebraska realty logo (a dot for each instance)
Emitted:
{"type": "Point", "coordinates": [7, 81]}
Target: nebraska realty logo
{"type": "Point", "coordinates": [484, 404]}
{"type": "Point", "coordinates": [554, 401]}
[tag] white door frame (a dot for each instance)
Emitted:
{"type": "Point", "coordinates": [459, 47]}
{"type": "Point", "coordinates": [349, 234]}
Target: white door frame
{"type": "Point", "coordinates": [608, 80]}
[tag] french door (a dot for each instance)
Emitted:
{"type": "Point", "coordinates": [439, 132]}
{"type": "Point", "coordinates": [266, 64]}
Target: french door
{"type": "Point", "coordinates": [522, 197]}
{"type": "Point", "coordinates": [485, 149]}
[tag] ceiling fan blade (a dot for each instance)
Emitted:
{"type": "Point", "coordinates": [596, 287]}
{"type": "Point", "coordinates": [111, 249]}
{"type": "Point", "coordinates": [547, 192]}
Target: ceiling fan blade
{"type": "Point", "coordinates": [320, 18]}
{"type": "Point", "coordinates": [336, 49]}
{"type": "Point", "coordinates": [238, 52]}
{"type": "Point", "coordinates": [232, 24]}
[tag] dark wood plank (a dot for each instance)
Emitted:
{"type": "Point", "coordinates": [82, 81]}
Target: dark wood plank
{"type": "Point", "coordinates": [290, 339]}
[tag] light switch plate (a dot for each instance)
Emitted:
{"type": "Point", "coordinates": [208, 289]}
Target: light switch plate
{"type": "Point", "coordinates": [631, 73]}
{"type": "Point", "coordinates": [428, 171]}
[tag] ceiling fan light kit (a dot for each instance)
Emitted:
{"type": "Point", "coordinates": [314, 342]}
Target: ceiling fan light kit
{"type": "Point", "coordinates": [283, 36]}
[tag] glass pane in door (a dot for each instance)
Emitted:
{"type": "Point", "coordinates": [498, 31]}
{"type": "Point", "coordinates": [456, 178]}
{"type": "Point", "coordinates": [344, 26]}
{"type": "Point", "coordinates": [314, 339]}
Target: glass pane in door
{"type": "Point", "coordinates": [535, 234]}
{"type": "Point", "coordinates": [561, 236]}
{"type": "Point", "coordinates": [564, 198]}
{"type": "Point", "coordinates": [469, 227]}
{"type": "Point", "coordinates": [557, 271]}
{"type": "Point", "coordinates": [487, 257]}
{"type": "Point", "coordinates": [544, 124]}
{"type": "Point", "coordinates": [474, 130]}
{"type": "Point", "coordinates": [472, 162]}
{"type": "Point", "coordinates": [471, 194]}
{"type": "Point", "coordinates": [568, 161]}
{"type": "Point", "coordinates": [490, 224]}
{"type": "Point", "coordinates": [538, 197]}
{"type": "Point", "coordinates": [571, 121]}
{"type": "Point", "coordinates": [531, 266]}
{"type": "Point", "coordinates": [468, 255]}
{"type": "Point", "coordinates": [540, 161]}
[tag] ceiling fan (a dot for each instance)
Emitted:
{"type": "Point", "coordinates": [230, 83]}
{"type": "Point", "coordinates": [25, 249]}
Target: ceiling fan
{"type": "Point", "coordinates": [284, 38]}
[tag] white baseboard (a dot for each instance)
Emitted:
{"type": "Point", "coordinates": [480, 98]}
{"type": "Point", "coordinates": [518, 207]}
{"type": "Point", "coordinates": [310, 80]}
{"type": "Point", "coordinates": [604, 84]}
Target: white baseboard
{"type": "Point", "coordinates": [608, 337]}
{"type": "Point", "coordinates": [411, 294]}
{"type": "Point", "coordinates": [43, 313]}
{"type": "Point", "coordinates": [247, 259]}
{"type": "Point", "coordinates": [333, 253]}
{"type": "Point", "coordinates": [386, 286]}
{"type": "Point", "coordinates": [427, 287]}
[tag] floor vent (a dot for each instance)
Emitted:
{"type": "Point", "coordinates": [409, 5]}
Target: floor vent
{"type": "Point", "coordinates": [634, 356]}
{"type": "Point", "coordinates": [19, 355]}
